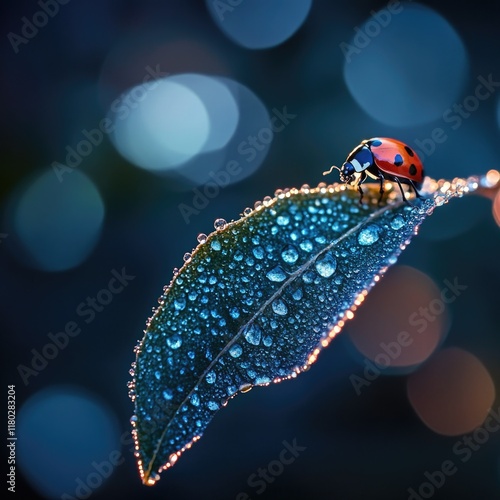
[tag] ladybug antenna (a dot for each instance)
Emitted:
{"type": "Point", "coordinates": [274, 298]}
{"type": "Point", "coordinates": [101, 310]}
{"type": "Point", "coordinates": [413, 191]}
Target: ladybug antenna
{"type": "Point", "coordinates": [331, 170]}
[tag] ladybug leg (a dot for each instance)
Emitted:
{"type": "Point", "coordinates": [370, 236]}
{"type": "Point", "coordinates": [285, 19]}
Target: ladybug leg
{"type": "Point", "coordinates": [361, 179]}
{"type": "Point", "coordinates": [360, 189]}
{"type": "Point", "coordinates": [412, 184]}
{"type": "Point", "coordinates": [381, 178]}
{"type": "Point", "coordinates": [402, 191]}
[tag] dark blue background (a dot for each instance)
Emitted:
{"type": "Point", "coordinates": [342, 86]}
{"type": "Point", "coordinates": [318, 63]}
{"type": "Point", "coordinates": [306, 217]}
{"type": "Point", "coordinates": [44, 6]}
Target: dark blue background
{"type": "Point", "coordinates": [372, 446]}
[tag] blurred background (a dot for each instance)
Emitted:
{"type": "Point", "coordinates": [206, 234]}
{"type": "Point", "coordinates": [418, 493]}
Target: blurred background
{"type": "Point", "coordinates": [128, 127]}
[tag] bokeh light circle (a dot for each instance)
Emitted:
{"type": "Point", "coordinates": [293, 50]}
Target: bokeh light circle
{"type": "Point", "coordinates": [58, 220]}
{"type": "Point", "coordinates": [452, 393]}
{"type": "Point", "coordinates": [259, 24]}
{"type": "Point", "coordinates": [221, 106]}
{"type": "Point", "coordinates": [249, 146]}
{"type": "Point", "coordinates": [159, 125]}
{"type": "Point", "coordinates": [401, 321]}
{"type": "Point", "coordinates": [406, 68]}
{"type": "Point", "coordinates": [164, 124]}
{"type": "Point", "coordinates": [496, 208]}
{"type": "Point", "coordinates": [66, 435]}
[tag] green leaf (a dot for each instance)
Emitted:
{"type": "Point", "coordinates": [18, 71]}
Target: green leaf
{"type": "Point", "coordinates": [258, 299]}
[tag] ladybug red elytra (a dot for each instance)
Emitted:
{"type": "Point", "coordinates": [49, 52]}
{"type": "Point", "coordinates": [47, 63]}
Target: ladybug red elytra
{"type": "Point", "coordinates": [383, 159]}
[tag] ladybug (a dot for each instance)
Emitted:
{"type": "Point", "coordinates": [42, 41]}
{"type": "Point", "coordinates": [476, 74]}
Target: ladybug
{"type": "Point", "coordinates": [383, 159]}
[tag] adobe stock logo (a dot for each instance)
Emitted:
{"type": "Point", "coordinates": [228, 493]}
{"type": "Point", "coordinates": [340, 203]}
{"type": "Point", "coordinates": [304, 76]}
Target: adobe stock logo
{"type": "Point", "coordinates": [371, 29]}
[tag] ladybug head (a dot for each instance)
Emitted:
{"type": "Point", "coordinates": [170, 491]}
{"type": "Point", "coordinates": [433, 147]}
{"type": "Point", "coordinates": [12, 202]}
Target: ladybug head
{"type": "Point", "coordinates": [347, 172]}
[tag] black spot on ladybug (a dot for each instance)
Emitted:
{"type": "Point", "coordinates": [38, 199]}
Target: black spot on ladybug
{"type": "Point", "coordinates": [409, 151]}
{"type": "Point", "coordinates": [398, 160]}
{"type": "Point", "coordinates": [376, 143]}
{"type": "Point", "coordinates": [413, 169]}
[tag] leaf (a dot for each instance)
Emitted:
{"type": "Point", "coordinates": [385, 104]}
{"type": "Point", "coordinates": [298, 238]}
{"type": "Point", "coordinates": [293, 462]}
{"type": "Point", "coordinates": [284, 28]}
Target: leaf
{"type": "Point", "coordinates": [258, 299]}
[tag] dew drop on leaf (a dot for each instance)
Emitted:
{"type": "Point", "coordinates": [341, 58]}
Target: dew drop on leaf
{"type": "Point", "coordinates": [397, 223]}
{"type": "Point", "coordinates": [307, 246]}
{"type": "Point", "coordinates": [174, 342]}
{"type": "Point", "coordinates": [220, 224]}
{"type": "Point", "coordinates": [326, 266]}
{"type": "Point", "coordinates": [235, 351]}
{"type": "Point", "coordinates": [279, 307]}
{"type": "Point", "coordinates": [179, 304]}
{"type": "Point", "coordinates": [212, 405]}
{"type": "Point", "coordinates": [369, 235]}
{"type": "Point", "coordinates": [276, 274]}
{"type": "Point", "coordinates": [290, 254]}
{"type": "Point", "coordinates": [253, 334]}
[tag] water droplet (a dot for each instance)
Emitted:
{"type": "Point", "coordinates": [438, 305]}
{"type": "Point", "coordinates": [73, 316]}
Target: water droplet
{"type": "Point", "coordinates": [369, 235]}
{"type": "Point", "coordinates": [215, 245]}
{"type": "Point", "coordinates": [235, 351]}
{"type": "Point", "coordinates": [211, 376]}
{"type": "Point", "coordinates": [234, 312]}
{"type": "Point", "coordinates": [277, 274]}
{"type": "Point", "coordinates": [440, 200]}
{"type": "Point", "coordinates": [238, 256]}
{"type": "Point", "coordinates": [262, 380]}
{"type": "Point", "coordinates": [174, 342]}
{"type": "Point", "coordinates": [202, 238]}
{"type": "Point", "coordinates": [253, 334]}
{"type": "Point", "coordinates": [326, 266]}
{"type": "Point", "coordinates": [247, 211]}
{"type": "Point", "coordinates": [180, 304]}
{"type": "Point", "coordinates": [195, 400]}
{"type": "Point", "coordinates": [157, 375]}
{"type": "Point", "coordinates": [187, 257]}
{"type": "Point", "coordinates": [212, 405]}
{"type": "Point", "coordinates": [231, 390]}
{"type": "Point", "coordinates": [398, 222]}
{"type": "Point", "coordinates": [168, 394]}
{"type": "Point", "coordinates": [220, 224]}
{"type": "Point", "coordinates": [298, 294]}
{"type": "Point", "coordinates": [279, 307]}
{"type": "Point", "coordinates": [308, 277]}
{"type": "Point", "coordinates": [283, 220]}
{"type": "Point", "coordinates": [306, 245]}
{"type": "Point", "coordinates": [258, 252]}
{"type": "Point", "coordinates": [290, 254]}
{"type": "Point", "coordinates": [267, 341]}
